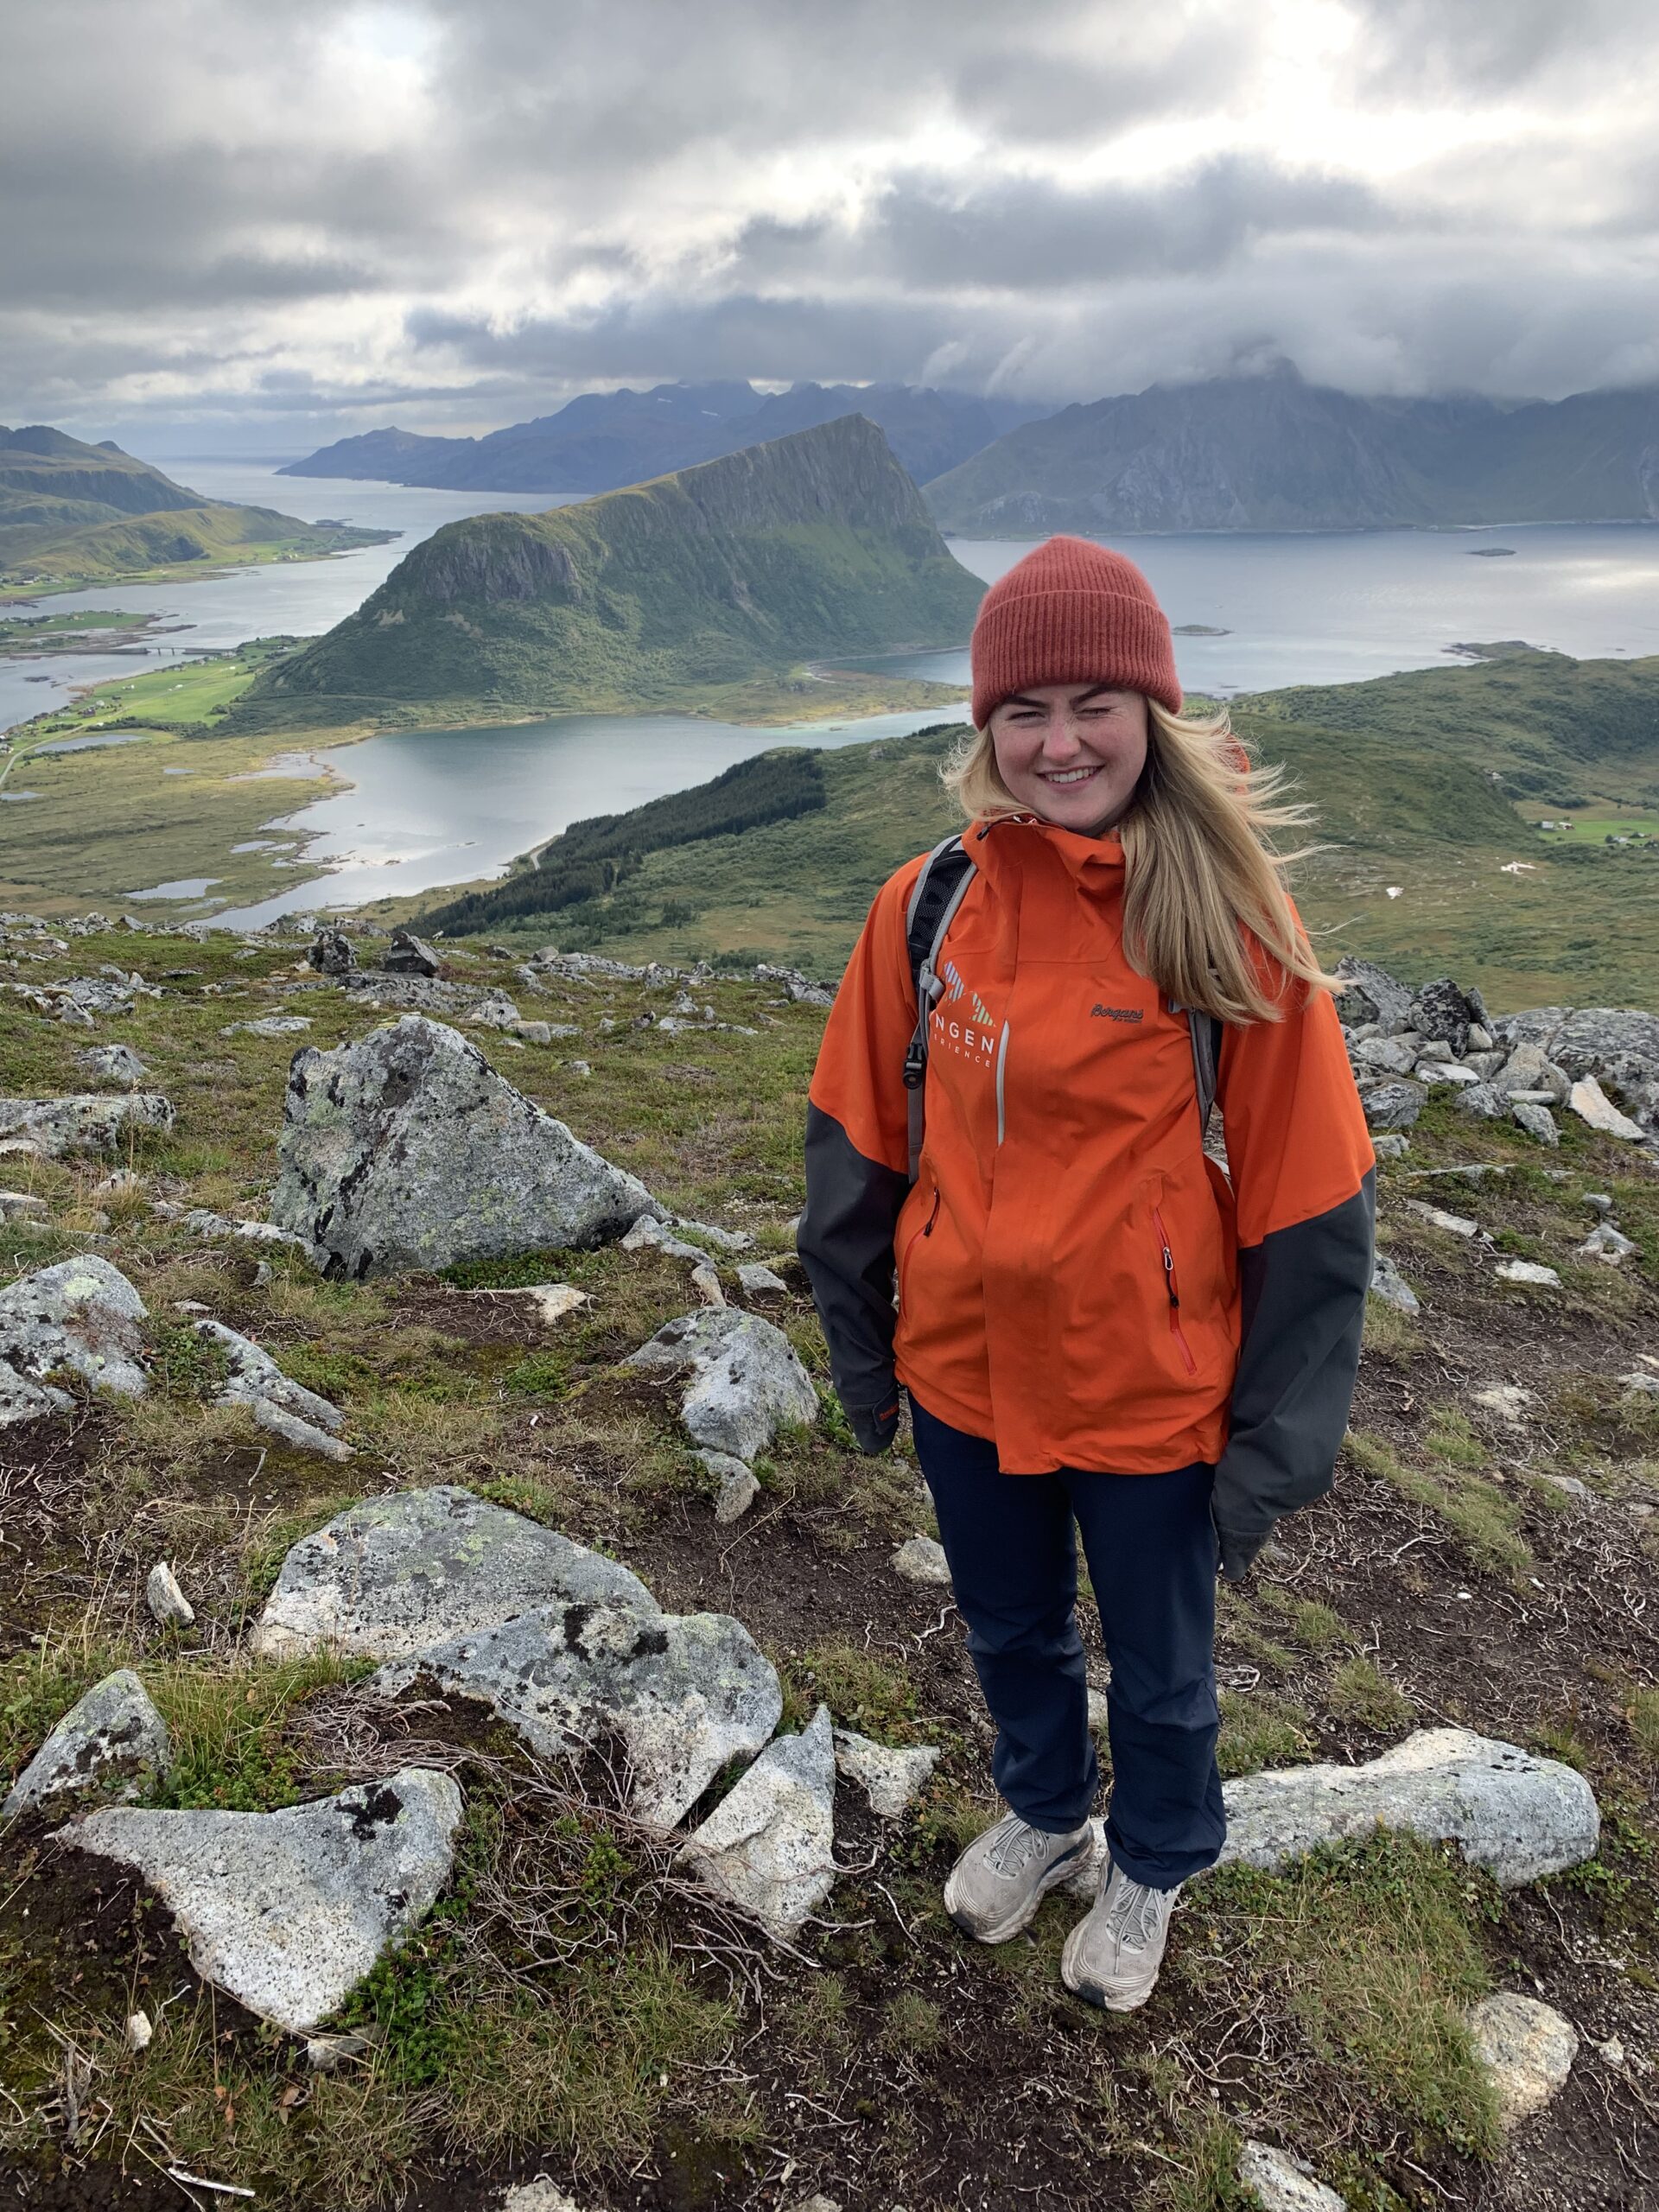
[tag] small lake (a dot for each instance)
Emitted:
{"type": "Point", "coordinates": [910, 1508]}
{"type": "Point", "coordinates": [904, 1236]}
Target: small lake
{"type": "Point", "coordinates": [431, 807]}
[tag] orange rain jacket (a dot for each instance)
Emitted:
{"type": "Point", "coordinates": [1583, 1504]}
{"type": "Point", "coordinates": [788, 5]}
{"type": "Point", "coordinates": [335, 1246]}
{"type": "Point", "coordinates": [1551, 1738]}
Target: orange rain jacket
{"type": "Point", "coordinates": [1075, 1278]}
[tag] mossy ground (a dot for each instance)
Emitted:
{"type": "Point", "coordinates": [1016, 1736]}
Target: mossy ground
{"type": "Point", "coordinates": [571, 2006]}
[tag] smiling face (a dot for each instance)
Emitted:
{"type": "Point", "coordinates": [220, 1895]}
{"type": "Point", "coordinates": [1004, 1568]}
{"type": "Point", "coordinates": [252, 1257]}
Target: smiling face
{"type": "Point", "coordinates": [1072, 752]}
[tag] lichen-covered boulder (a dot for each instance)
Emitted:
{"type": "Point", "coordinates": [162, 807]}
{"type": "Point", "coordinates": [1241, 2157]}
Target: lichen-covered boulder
{"type": "Point", "coordinates": [1519, 1816]}
{"type": "Point", "coordinates": [1527, 2050]}
{"type": "Point", "coordinates": [745, 1382]}
{"type": "Point", "coordinates": [289, 1910]}
{"type": "Point", "coordinates": [1372, 995]}
{"type": "Point", "coordinates": [1440, 1010]}
{"type": "Point", "coordinates": [1394, 1105]}
{"type": "Point", "coordinates": [395, 1575]}
{"type": "Point", "coordinates": [117, 1064]}
{"type": "Point", "coordinates": [287, 1408]}
{"type": "Point", "coordinates": [81, 1315]}
{"type": "Point", "coordinates": [113, 1741]}
{"type": "Point", "coordinates": [682, 1694]}
{"type": "Point", "coordinates": [406, 1149]}
{"type": "Point", "coordinates": [892, 1780]}
{"type": "Point", "coordinates": [767, 1846]}
{"type": "Point", "coordinates": [83, 1122]}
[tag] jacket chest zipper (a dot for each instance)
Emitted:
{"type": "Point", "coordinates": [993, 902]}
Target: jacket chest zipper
{"type": "Point", "coordinates": [1002, 1071]}
{"type": "Point", "coordinates": [1175, 1328]}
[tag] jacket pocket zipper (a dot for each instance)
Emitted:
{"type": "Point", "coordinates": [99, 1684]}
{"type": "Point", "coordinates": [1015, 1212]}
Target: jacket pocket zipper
{"type": "Point", "coordinates": [1175, 1328]}
{"type": "Point", "coordinates": [1001, 1069]}
{"type": "Point", "coordinates": [927, 1230]}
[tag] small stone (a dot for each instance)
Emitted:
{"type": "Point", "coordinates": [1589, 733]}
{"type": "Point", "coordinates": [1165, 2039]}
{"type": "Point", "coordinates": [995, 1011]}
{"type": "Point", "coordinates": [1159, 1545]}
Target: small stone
{"type": "Point", "coordinates": [1537, 1121]}
{"type": "Point", "coordinates": [1100, 1712]}
{"type": "Point", "coordinates": [1480, 1038]}
{"type": "Point", "coordinates": [1591, 1103]}
{"type": "Point", "coordinates": [757, 1280]}
{"type": "Point", "coordinates": [920, 1559]}
{"type": "Point", "coordinates": [138, 2030]}
{"type": "Point", "coordinates": [117, 1064]}
{"type": "Point", "coordinates": [768, 1844]}
{"type": "Point", "coordinates": [1442, 1072]}
{"type": "Point", "coordinates": [1571, 1487]}
{"type": "Point", "coordinates": [1385, 1055]}
{"type": "Point", "coordinates": [892, 1780]}
{"type": "Point", "coordinates": [1281, 2182]}
{"type": "Point", "coordinates": [270, 1024]}
{"type": "Point", "coordinates": [534, 1033]}
{"type": "Point", "coordinates": [1454, 1224]}
{"type": "Point", "coordinates": [1526, 2048]}
{"type": "Point", "coordinates": [1527, 1271]}
{"type": "Point", "coordinates": [577, 1067]}
{"type": "Point", "coordinates": [739, 1485]}
{"type": "Point", "coordinates": [113, 1741]}
{"type": "Point", "coordinates": [1599, 1200]}
{"type": "Point", "coordinates": [326, 2054]}
{"type": "Point", "coordinates": [58, 1126]}
{"type": "Point", "coordinates": [1608, 1243]}
{"type": "Point", "coordinates": [538, 2196]}
{"type": "Point", "coordinates": [167, 1602]}
{"type": "Point", "coordinates": [290, 1910]}
{"type": "Point", "coordinates": [331, 953]}
{"type": "Point", "coordinates": [1390, 1144]}
{"type": "Point", "coordinates": [705, 1283]}
{"type": "Point", "coordinates": [1391, 1287]}
{"type": "Point", "coordinates": [1507, 1400]}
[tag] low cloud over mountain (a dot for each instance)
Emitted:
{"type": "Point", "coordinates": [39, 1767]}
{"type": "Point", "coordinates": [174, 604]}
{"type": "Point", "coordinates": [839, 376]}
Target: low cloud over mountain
{"type": "Point", "coordinates": [237, 225]}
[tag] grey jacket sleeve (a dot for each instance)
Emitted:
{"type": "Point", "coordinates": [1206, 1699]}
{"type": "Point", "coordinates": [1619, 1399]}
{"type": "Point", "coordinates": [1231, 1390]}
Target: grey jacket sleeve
{"type": "Point", "coordinates": [845, 1240]}
{"type": "Point", "coordinates": [1302, 1291]}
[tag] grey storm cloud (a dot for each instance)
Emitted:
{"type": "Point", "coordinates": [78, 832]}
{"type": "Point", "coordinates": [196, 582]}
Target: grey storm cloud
{"type": "Point", "coordinates": [454, 211]}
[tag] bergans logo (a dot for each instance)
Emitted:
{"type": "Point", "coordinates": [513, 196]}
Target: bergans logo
{"type": "Point", "coordinates": [1117, 1013]}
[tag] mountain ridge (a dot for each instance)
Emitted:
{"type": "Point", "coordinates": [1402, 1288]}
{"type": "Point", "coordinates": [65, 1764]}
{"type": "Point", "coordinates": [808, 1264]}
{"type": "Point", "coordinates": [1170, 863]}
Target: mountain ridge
{"type": "Point", "coordinates": [808, 546]}
{"type": "Point", "coordinates": [1274, 452]}
{"type": "Point", "coordinates": [602, 441]}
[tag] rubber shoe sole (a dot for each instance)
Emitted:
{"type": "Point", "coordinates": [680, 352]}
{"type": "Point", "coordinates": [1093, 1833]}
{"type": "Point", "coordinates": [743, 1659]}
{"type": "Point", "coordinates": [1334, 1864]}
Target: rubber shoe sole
{"type": "Point", "coordinates": [1113, 2000]}
{"type": "Point", "coordinates": [1020, 1920]}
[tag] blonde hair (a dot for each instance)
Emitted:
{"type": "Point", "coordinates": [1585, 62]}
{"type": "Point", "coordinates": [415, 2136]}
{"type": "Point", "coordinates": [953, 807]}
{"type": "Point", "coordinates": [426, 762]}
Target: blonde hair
{"type": "Point", "coordinates": [1199, 869]}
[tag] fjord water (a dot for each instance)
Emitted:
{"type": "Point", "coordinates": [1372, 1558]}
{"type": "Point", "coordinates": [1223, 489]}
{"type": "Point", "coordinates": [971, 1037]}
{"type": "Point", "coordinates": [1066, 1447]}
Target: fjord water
{"type": "Point", "coordinates": [437, 807]}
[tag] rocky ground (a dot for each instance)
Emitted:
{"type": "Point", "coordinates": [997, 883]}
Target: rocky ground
{"type": "Point", "coordinates": [683, 1558]}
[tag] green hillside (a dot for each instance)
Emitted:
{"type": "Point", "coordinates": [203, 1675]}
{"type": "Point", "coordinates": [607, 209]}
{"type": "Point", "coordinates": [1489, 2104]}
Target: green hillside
{"type": "Point", "coordinates": [740, 569]}
{"type": "Point", "coordinates": [74, 514]}
{"type": "Point", "coordinates": [1424, 782]}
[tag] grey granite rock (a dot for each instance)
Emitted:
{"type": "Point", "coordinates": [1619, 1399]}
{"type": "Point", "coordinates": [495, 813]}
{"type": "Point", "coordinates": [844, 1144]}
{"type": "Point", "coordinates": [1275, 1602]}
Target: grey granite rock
{"type": "Point", "coordinates": [216, 1228]}
{"type": "Point", "coordinates": [1591, 1103]}
{"type": "Point", "coordinates": [1608, 1243]}
{"type": "Point", "coordinates": [1537, 1121]}
{"type": "Point", "coordinates": [921, 1559]}
{"type": "Point", "coordinates": [112, 1741]}
{"type": "Point", "coordinates": [117, 1064]}
{"type": "Point", "coordinates": [331, 953]}
{"type": "Point", "coordinates": [1519, 1816]}
{"type": "Point", "coordinates": [289, 1910]}
{"type": "Point", "coordinates": [892, 1780]}
{"type": "Point", "coordinates": [1281, 2182]}
{"type": "Point", "coordinates": [408, 955]}
{"type": "Point", "coordinates": [394, 1575]}
{"type": "Point", "coordinates": [83, 1122]}
{"type": "Point", "coordinates": [168, 1603]}
{"type": "Point", "coordinates": [768, 1844]}
{"type": "Point", "coordinates": [406, 1149]}
{"type": "Point", "coordinates": [1527, 2050]}
{"type": "Point", "coordinates": [1530, 1068]}
{"type": "Point", "coordinates": [682, 1694]}
{"type": "Point", "coordinates": [1372, 996]}
{"type": "Point", "coordinates": [744, 1380]}
{"type": "Point", "coordinates": [1527, 1271]}
{"type": "Point", "coordinates": [299, 1416]}
{"type": "Point", "coordinates": [270, 1024]}
{"type": "Point", "coordinates": [1391, 1287]}
{"type": "Point", "coordinates": [81, 1314]}
{"type": "Point", "coordinates": [1394, 1105]}
{"type": "Point", "coordinates": [1440, 1010]}
{"type": "Point", "coordinates": [1385, 1055]}
{"type": "Point", "coordinates": [738, 1486]}
{"type": "Point", "coordinates": [1483, 1103]}
{"type": "Point", "coordinates": [756, 1279]}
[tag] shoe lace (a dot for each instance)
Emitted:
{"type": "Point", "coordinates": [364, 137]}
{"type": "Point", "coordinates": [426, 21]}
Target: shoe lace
{"type": "Point", "coordinates": [1015, 1846]}
{"type": "Point", "coordinates": [1133, 1912]}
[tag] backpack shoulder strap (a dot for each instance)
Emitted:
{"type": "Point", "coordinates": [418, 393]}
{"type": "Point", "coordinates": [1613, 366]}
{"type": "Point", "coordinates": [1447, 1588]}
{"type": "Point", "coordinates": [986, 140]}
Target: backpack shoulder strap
{"type": "Point", "coordinates": [938, 891]}
{"type": "Point", "coordinates": [1205, 1031]}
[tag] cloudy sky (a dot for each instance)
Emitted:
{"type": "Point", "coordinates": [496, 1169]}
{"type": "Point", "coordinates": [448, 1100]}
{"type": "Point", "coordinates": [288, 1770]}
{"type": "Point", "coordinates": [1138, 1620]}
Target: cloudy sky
{"type": "Point", "coordinates": [240, 224]}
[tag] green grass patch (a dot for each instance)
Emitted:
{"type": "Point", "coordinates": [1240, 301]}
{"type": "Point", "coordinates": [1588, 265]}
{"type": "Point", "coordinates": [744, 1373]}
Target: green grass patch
{"type": "Point", "coordinates": [1360, 1692]}
{"type": "Point", "coordinates": [1259, 1732]}
{"type": "Point", "coordinates": [863, 1689]}
{"type": "Point", "coordinates": [1483, 1519]}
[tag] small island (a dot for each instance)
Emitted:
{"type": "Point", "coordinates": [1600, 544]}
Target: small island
{"type": "Point", "coordinates": [1490, 552]}
{"type": "Point", "coordinates": [1198, 630]}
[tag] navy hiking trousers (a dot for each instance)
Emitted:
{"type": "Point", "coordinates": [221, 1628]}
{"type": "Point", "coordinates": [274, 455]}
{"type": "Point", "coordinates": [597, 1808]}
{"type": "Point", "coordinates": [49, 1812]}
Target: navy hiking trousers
{"type": "Point", "coordinates": [1152, 1558]}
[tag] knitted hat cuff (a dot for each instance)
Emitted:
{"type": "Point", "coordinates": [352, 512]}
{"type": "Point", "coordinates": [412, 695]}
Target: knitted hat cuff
{"type": "Point", "coordinates": [1072, 612]}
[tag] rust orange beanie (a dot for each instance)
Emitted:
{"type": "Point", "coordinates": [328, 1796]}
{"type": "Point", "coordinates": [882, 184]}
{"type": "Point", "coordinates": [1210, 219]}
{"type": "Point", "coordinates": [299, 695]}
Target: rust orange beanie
{"type": "Point", "coordinates": [1072, 612]}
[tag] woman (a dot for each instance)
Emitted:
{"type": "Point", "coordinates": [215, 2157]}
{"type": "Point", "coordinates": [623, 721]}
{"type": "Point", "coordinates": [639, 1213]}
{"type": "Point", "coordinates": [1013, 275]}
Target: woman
{"type": "Point", "coordinates": [1095, 1323]}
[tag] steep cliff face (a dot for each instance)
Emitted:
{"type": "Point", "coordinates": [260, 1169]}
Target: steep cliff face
{"type": "Point", "coordinates": [1276, 453]}
{"type": "Point", "coordinates": [814, 544]}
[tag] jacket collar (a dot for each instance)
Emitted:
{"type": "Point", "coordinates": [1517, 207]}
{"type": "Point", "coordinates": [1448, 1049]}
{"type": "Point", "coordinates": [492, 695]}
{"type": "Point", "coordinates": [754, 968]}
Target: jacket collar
{"type": "Point", "coordinates": [1017, 841]}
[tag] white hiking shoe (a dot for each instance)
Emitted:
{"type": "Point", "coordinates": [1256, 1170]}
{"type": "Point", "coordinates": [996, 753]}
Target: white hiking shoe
{"type": "Point", "coordinates": [1112, 1957]}
{"type": "Point", "coordinates": [996, 1885]}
